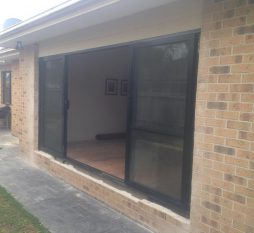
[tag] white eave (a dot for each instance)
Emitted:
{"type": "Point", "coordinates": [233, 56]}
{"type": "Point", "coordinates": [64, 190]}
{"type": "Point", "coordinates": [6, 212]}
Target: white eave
{"type": "Point", "coordinates": [73, 15]}
{"type": "Point", "coordinates": [8, 56]}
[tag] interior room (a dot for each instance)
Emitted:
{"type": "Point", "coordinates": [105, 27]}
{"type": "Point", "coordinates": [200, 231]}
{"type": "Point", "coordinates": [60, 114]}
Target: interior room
{"type": "Point", "coordinates": [97, 114]}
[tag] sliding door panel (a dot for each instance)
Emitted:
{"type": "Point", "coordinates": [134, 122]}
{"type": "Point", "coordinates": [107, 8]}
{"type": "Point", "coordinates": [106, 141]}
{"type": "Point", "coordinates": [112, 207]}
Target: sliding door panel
{"type": "Point", "coordinates": [52, 105]}
{"type": "Point", "coordinates": [161, 79]}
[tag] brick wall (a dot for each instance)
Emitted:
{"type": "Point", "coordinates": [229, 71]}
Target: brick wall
{"type": "Point", "coordinates": [3, 68]}
{"type": "Point", "coordinates": [16, 99]}
{"type": "Point", "coordinates": [28, 70]}
{"type": "Point", "coordinates": [25, 98]}
{"type": "Point", "coordinates": [123, 199]}
{"type": "Point", "coordinates": [223, 170]}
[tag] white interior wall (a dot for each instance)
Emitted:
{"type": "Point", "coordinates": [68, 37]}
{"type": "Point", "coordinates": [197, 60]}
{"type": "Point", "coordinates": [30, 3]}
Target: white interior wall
{"type": "Point", "coordinates": [179, 16]}
{"type": "Point", "coordinates": [92, 112]}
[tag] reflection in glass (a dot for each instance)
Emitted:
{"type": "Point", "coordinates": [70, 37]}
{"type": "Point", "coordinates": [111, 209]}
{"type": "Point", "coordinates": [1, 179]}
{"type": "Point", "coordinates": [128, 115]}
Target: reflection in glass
{"type": "Point", "coordinates": [158, 119]}
{"type": "Point", "coordinates": [53, 105]}
{"type": "Point", "coordinates": [6, 88]}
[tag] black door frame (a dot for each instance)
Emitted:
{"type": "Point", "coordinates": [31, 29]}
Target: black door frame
{"type": "Point", "coordinates": [180, 207]}
{"type": "Point", "coordinates": [41, 104]}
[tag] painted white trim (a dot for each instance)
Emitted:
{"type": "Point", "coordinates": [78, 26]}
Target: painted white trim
{"type": "Point", "coordinates": [46, 16]}
{"type": "Point", "coordinates": [79, 15]}
{"type": "Point", "coordinates": [6, 58]}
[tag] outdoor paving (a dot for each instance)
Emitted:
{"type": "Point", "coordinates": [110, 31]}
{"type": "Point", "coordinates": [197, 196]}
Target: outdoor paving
{"type": "Point", "coordinates": [60, 207]}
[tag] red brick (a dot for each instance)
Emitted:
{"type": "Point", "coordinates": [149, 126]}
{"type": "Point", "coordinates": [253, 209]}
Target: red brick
{"type": "Point", "coordinates": [238, 125]}
{"type": "Point", "coordinates": [247, 117]}
{"type": "Point", "coordinates": [243, 144]}
{"type": "Point", "coordinates": [248, 98]}
{"type": "Point", "coordinates": [234, 22]}
{"type": "Point", "coordinates": [242, 68]}
{"type": "Point", "coordinates": [246, 136]}
{"type": "Point", "coordinates": [242, 88]}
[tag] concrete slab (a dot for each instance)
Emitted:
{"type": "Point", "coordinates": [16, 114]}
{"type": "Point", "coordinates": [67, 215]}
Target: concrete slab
{"type": "Point", "coordinates": [60, 207]}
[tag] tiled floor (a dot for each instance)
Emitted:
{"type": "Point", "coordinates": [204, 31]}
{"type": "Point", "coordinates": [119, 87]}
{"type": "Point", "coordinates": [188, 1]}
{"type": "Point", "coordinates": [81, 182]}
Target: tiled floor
{"type": "Point", "coordinates": [105, 155]}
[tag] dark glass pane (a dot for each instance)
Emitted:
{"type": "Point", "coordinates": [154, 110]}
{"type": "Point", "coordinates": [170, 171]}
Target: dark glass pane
{"type": "Point", "coordinates": [6, 88]}
{"type": "Point", "coordinates": [53, 120]}
{"type": "Point", "coordinates": [53, 105]}
{"type": "Point", "coordinates": [161, 73]}
{"type": "Point", "coordinates": [158, 121]}
{"type": "Point", "coordinates": [157, 162]}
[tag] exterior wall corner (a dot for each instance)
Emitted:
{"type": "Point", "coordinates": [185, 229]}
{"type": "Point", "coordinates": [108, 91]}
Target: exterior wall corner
{"type": "Point", "coordinates": [222, 184]}
{"type": "Point", "coordinates": [28, 63]}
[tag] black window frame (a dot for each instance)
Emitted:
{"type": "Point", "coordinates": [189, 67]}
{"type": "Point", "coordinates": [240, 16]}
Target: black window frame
{"type": "Point", "coordinates": [182, 208]}
{"type": "Point", "coordinates": [41, 135]}
{"type": "Point", "coordinates": [3, 89]}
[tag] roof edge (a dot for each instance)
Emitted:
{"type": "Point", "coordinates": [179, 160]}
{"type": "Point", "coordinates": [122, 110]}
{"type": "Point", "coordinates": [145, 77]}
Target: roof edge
{"type": "Point", "coordinates": [51, 14]}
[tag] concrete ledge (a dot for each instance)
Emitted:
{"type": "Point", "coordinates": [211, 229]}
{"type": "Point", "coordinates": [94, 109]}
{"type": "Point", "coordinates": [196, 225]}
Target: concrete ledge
{"type": "Point", "coordinates": [151, 215]}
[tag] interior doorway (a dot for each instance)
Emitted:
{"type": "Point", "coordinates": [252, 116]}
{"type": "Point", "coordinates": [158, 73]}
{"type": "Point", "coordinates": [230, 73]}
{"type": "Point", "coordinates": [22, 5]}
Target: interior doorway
{"type": "Point", "coordinates": [97, 113]}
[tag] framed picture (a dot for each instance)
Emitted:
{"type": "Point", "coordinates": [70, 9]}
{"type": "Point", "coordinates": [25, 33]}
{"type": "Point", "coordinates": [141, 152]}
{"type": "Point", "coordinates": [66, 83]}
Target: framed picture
{"type": "Point", "coordinates": [124, 87]}
{"type": "Point", "coordinates": [111, 87]}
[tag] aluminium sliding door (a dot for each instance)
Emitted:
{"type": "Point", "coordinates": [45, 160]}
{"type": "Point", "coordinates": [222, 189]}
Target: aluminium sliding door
{"type": "Point", "coordinates": [52, 105]}
{"type": "Point", "coordinates": [162, 115]}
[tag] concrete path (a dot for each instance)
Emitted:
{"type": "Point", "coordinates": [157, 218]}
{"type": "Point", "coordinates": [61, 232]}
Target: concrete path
{"type": "Point", "coordinates": [60, 207]}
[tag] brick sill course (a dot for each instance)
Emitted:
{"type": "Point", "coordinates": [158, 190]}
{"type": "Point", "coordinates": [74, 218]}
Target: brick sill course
{"type": "Point", "coordinates": [153, 216]}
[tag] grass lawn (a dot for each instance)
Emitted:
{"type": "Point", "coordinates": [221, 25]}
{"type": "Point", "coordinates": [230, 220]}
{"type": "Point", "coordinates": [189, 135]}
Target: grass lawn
{"type": "Point", "coordinates": [14, 218]}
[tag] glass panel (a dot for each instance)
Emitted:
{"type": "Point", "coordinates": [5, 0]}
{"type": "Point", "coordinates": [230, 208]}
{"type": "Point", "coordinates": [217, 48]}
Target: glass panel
{"type": "Point", "coordinates": [158, 120]}
{"type": "Point", "coordinates": [53, 120]}
{"type": "Point", "coordinates": [53, 105]}
{"type": "Point", "coordinates": [157, 162]}
{"type": "Point", "coordinates": [161, 73]}
{"type": "Point", "coordinates": [6, 88]}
